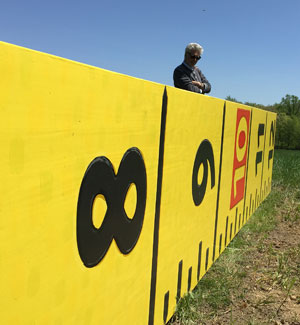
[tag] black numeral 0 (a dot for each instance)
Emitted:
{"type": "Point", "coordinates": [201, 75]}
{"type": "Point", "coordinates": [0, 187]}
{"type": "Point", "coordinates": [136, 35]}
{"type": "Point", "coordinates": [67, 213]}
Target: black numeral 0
{"type": "Point", "coordinates": [205, 153]}
{"type": "Point", "coordinates": [100, 178]}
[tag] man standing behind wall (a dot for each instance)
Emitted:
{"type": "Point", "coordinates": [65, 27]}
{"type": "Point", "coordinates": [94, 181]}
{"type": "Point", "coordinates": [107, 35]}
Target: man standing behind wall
{"type": "Point", "coordinates": [189, 77]}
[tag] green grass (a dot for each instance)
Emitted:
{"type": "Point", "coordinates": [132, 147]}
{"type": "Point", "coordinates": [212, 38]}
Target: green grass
{"type": "Point", "coordinates": [286, 171]}
{"type": "Point", "coordinates": [214, 291]}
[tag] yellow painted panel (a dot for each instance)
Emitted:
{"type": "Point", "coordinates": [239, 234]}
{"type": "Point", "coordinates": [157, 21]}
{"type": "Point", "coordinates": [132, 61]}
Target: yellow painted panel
{"type": "Point", "coordinates": [233, 174]}
{"type": "Point", "coordinates": [256, 161]}
{"type": "Point", "coordinates": [187, 218]}
{"type": "Point", "coordinates": [57, 116]}
{"type": "Point", "coordinates": [268, 154]}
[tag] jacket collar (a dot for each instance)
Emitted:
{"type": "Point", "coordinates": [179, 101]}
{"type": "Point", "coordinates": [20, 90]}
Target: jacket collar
{"type": "Point", "coordinates": [188, 66]}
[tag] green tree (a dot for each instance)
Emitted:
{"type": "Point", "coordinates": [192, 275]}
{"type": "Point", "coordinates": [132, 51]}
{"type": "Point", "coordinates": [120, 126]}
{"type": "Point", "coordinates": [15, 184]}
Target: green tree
{"type": "Point", "coordinates": [255, 105]}
{"type": "Point", "coordinates": [290, 105]}
{"type": "Point", "coordinates": [232, 99]}
{"type": "Point", "coordinates": [287, 131]}
{"type": "Point", "coordinates": [281, 131]}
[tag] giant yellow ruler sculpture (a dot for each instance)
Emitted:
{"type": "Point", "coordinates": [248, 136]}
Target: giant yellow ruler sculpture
{"type": "Point", "coordinates": [117, 194]}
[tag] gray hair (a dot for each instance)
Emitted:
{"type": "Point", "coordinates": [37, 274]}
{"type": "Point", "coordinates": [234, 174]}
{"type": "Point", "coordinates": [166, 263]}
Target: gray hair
{"type": "Point", "coordinates": [194, 47]}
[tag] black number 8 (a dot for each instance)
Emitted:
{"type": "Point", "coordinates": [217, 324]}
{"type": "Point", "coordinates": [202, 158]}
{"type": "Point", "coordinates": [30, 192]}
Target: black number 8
{"type": "Point", "coordinates": [100, 178]}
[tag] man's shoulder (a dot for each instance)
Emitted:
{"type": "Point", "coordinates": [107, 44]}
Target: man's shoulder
{"type": "Point", "coordinates": [180, 68]}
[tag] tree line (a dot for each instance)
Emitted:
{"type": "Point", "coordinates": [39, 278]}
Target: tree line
{"type": "Point", "coordinates": [287, 123]}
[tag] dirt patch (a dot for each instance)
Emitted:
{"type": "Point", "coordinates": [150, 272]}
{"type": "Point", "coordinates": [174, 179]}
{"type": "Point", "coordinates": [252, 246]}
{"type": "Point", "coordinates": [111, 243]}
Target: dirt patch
{"type": "Point", "coordinates": [270, 291]}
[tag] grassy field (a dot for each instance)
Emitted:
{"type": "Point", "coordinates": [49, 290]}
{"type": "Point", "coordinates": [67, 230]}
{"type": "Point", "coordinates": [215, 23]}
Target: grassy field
{"type": "Point", "coordinates": [257, 278]}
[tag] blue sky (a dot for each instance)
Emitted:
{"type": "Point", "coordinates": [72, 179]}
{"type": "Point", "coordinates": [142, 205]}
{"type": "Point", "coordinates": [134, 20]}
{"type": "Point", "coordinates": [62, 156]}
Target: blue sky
{"type": "Point", "coordinates": [251, 48]}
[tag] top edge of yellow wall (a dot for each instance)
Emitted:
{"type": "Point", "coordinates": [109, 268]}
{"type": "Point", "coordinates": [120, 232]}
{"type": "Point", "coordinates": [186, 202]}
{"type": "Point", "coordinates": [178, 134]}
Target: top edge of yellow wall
{"type": "Point", "coordinates": [74, 62]}
{"type": "Point", "coordinates": [252, 107]}
{"type": "Point", "coordinates": [117, 73]}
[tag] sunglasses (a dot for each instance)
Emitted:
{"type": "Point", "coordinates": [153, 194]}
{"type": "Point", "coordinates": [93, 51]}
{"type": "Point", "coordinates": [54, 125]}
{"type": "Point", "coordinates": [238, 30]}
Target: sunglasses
{"type": "Point", "coordinates": [195, 57]}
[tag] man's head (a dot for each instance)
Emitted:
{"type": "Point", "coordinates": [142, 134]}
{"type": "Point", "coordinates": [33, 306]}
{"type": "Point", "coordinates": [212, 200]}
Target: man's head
{"type": "Point", "coordinates": [193, 53]}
